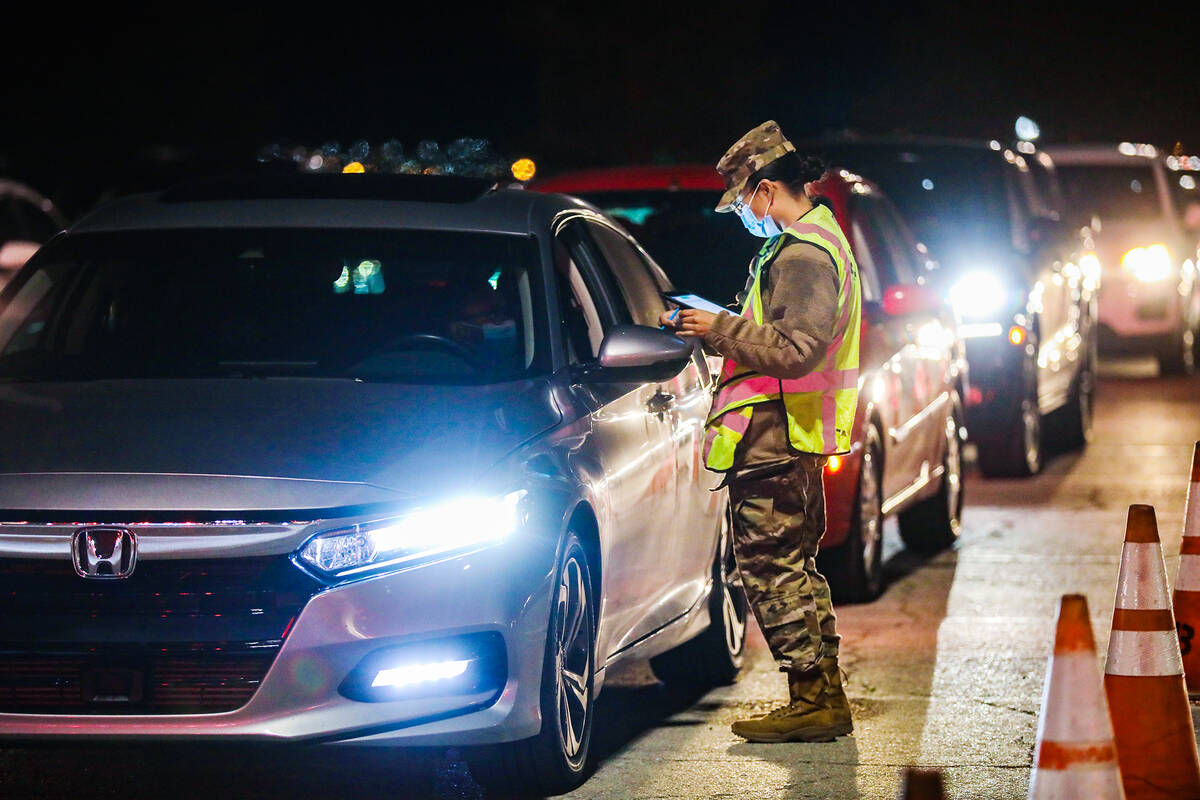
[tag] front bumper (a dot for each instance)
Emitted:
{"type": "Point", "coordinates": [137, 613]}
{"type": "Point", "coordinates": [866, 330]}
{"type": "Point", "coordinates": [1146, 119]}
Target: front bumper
{"type": "Point", "coordinates": [1137, 311]}
{"type": "Point", "coordinates": [504, 589]}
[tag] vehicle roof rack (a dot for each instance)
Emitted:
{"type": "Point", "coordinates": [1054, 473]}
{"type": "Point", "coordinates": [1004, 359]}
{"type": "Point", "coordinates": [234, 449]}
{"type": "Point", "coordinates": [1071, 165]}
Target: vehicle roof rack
{"type": "Point", "coordinates": [328, 186]}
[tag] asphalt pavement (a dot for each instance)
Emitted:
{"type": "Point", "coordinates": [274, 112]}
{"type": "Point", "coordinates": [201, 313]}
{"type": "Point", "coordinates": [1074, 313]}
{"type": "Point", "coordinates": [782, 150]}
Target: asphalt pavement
{"type": "Point", "coordinates": [945, 670]}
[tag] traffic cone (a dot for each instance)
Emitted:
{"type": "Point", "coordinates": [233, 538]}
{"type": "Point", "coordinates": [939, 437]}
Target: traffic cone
{"type": "Point", "coordinates": [1187, 583]}
{"type": "Point", "coordinates": [921, 784]}
{"type": "Point", "coordinates": [1076, 758]}
{"type": "Point", "coordinates": [1156, 746]}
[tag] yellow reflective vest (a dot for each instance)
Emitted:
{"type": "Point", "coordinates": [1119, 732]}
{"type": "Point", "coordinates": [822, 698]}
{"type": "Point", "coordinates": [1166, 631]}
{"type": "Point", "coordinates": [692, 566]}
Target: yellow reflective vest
{"type": "Point", "coordinates": [820, 406]}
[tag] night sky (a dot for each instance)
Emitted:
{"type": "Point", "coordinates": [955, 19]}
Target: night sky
{"type": "Point", "coordinates": [113, 102]}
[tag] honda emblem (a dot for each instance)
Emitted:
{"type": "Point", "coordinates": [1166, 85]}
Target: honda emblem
{"type": "Point", "coordinates": [104, 553]}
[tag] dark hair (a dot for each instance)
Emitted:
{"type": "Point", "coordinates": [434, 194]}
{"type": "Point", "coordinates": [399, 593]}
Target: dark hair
{"type": "Point", "coordinates": [792, 170]}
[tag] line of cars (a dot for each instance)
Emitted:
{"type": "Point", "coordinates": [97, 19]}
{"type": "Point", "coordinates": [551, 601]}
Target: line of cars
{"type": "Point", "coordinates": [403, 460]}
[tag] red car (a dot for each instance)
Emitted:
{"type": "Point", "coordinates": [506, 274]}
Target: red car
{"type": "Point", "coordinates": [906, 457]}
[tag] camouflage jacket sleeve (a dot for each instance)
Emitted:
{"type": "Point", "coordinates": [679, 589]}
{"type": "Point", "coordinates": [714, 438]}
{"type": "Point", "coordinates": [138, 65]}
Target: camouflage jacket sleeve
{"type": "Point", "coordinates": [799, 307]}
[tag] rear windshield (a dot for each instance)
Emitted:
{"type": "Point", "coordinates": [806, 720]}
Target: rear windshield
{"type": "Point", "coordinates": [954, 198]}
{"type": "Point", "coordinates": [406, 306]}
{"type": "Point", "coordinates": [1125, 191]}
{"type": "Point", "coordinates": [700, 250]}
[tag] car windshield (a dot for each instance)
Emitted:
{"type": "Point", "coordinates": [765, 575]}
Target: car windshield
{"type": "Point", "coordinates": [700, 250]}
{"type": "Point", "coordinates": [1125, 191]}
{"type": "Point", "coordinates": [397, 305]}
{"type": "Point", "coordinates": [954, 198]}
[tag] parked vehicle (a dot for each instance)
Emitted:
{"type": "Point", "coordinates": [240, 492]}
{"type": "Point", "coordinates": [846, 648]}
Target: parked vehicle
{"type": "Point", "coordinates": [1017, 276]}
{"type": "Point", "coordinates": [367, 459]}
{"type": "Point", "coordinates": [1149, 299]}
{"type": "Point", "coordinates": [27, 221]}
{"type": "Point", "coordinates": [906, 456]}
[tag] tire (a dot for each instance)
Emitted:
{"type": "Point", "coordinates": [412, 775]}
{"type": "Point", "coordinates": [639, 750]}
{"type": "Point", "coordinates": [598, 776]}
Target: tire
{"type": "Point", "coordinates": [1076, 428]}
{"type": "Point", "coordinates": [556, 760]}
{"type": "Point", "coordinates": [714, 658]}
{"type": "Point", "coordinates": [856, 567]}
{"type": "Point", "coordinates": [934, 524]}
{"type": "Point", "coordinates": [1178, 357]}
{"type": "Point", "coordinates": [1016, 451]}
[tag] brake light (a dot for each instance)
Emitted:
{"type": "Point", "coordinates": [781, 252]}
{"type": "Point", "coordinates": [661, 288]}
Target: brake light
{"type": "Point", "coordinates": [834, 465]}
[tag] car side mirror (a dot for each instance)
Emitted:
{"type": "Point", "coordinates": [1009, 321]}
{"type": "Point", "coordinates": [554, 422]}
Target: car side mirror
{"type": "Point", "coordinates": [901, 301]}
{"type": "Point", "coordinates": [639, 354]}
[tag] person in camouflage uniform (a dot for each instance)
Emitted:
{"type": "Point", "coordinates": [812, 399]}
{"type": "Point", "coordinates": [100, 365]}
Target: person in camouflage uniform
{"type": "Point", "coordinates": [776, 491]}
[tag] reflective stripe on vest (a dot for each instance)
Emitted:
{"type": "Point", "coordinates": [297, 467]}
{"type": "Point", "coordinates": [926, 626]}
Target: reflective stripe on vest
{"type": "Point", "coordinates": [820, 406]}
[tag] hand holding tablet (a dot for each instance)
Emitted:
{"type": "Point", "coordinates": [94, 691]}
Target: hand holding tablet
{"type": "Point", "coordinates": [689, 300]}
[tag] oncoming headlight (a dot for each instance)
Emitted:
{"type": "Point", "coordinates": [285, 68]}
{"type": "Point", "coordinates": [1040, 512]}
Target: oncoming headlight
{"type": "Point", "coordinates": [454, 525]}
{"type": "Point", "coordinates": [978, 294]}
{"type": "Point", "coordinates": [1148, 264]}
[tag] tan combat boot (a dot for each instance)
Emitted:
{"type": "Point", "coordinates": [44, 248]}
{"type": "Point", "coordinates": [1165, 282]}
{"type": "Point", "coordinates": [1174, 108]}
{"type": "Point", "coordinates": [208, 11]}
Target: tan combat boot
{"type": "Point", "coordinates": [835, 694]}
{"type": "Point", "coordinates": [819, 712]}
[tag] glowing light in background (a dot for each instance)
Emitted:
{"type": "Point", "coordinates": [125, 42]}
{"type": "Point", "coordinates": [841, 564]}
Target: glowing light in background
{"type": "Point", "coordinates": [927, 185]}
{"type": "Point", "coordinates": [1027, 129]}
{"type": "Point", "coordinates": [354, 168]}
{"type": "Point", "coordinates": [1187, 181]}
{"type": "Point", "coordinates": [523, 169]}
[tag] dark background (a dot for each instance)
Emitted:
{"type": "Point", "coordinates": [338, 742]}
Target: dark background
{"type": "Point", "coordinates": [110, 102]}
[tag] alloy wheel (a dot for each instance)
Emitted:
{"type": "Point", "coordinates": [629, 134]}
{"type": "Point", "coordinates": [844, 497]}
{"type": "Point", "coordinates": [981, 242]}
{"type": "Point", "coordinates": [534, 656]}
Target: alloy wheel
{"type": "Point", "coordinates": [953, 475]}
{"type": "Point", "coordinates": [870, 513]}
{"type": "Point", "coordinates": [573, 635]}
{"type": "Point", "coordinates": [1031, 424]}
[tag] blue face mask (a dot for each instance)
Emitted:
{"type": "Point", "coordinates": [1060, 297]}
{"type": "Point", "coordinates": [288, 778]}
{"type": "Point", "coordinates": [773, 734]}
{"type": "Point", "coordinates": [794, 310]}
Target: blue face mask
{"type": "Point", "coordinates": [764, 228]}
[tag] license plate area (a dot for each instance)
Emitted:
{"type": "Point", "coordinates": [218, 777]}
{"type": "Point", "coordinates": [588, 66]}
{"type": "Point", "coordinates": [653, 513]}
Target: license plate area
{"type": "Point", "coordinates": [112, 686]}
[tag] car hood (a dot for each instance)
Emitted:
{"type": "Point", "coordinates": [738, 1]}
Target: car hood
{"type": "Point", "coordinates": [250, 444]}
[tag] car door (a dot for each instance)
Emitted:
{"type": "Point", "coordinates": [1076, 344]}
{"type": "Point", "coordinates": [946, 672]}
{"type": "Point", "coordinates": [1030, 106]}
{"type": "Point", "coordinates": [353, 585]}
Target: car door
{"type": "Point", "coordinates": [631, 442]}
{"type": "Point", "coordinates": [931, 337]}
{"type": "Point", "coordinates": [685, 543]}
{"type": "Point", "coordinates": [894, 339]}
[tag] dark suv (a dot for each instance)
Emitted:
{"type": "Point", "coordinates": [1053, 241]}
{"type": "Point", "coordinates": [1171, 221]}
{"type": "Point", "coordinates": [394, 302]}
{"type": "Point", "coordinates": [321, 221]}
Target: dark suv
{"type": "Point", "coordinates": [1014, 272]}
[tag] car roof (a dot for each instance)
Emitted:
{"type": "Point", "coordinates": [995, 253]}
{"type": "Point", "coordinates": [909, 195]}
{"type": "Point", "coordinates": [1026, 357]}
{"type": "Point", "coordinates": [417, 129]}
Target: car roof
{"type": "Point", "coordinates": [896, 140]}
{"type": "Point", "coordinates": [634, 178]}
{"type": "Point", "coordinates": [1100, 153]}
{"type": "Point", "coordinates": [334, 201]}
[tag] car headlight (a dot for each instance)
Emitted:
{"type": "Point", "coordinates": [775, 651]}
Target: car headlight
{"type": "Point", "coordinates": [1148, 264]}
{"type": "Point", "coordinates": [978, 294]}
{"type": "Point", "coordinates": [424, 533]}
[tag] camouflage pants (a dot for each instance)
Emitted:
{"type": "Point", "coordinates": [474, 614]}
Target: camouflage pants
{"type": "Point", "coordinates": [777, 523]}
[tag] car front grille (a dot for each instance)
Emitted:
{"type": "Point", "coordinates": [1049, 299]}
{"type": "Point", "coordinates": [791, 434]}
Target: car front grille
{"type": "Point", "coordinates": [176, 637]}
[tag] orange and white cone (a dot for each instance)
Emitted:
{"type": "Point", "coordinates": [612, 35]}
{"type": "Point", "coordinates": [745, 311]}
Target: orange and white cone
{"type": "Point", "coordinates": [1187, 583]}
{"type": "Point", "coordinates": [1076, 758]}
{"type": "Point", "coordinates": [921, 784]}
{"type": "Point", "coordinates": [1156, 746]}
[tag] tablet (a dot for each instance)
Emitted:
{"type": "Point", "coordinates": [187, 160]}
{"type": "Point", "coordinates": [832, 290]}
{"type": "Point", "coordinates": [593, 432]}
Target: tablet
{"type": "Point", "coordinates": [689, 300]}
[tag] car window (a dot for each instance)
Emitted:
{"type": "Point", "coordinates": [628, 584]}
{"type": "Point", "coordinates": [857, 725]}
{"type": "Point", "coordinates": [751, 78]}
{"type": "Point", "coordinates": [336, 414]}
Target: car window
{"type": "Point", "coordinates": [582, 326]}
{"type": "Point", "coordinates": [702, 251]}
{"type": "Point", "coordinates": [433, 307]}
{"type": "Point", "coordinates": [1114, 191]}
{"type": "Point", "coordinates": [638, 288]}
{"type": "Point", "coordinates": [872, 249]}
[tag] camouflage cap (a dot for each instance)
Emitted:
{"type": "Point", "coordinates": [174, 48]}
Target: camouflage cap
{"type": "Point", "coordinates": [751, 153]}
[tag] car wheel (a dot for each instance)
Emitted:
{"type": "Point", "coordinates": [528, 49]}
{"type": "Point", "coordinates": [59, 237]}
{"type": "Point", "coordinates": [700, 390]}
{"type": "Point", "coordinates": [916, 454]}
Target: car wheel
{"type": "Point", "coordinates": [555, 761]}
{"type": "Point", "coordinates": [1076, 429]}
{"type": "Point", "coordinates": [934, 524]}
{"type": "Point", "coordinates": [856, 567]}
{"type": "Point", "coordinates": [1016, 450]}
{"type": "Point", "coordinates": [1179, 355]}
{"type": "Point", "coordinates": [714, 658]}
